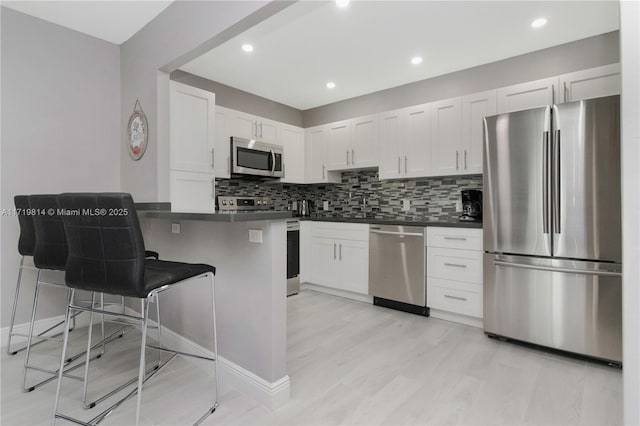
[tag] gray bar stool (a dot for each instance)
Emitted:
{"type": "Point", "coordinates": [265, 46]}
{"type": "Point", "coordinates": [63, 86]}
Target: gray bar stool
{"type": "Point", "coordinates": [107, 255]}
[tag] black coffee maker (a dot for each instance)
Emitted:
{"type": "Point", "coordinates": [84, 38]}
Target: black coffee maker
{"type": "Point", "coordinates": [471, 205]}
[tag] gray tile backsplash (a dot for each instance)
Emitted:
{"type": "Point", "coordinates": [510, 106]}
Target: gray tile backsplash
{"type": "Point", "coordinates": [362, 194]}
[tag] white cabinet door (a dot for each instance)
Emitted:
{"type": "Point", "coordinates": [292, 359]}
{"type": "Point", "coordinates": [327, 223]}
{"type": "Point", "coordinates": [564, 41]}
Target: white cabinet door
{"type": "Point", "coordinates": [268, 131]}
{"type": "Point", "coordinates": [243, 125]}
{"type": "Point", "coordinates": [222, 151]}
{"type": "Point", "coordinates": [354, 266]}
{"type": "Point", "coordinates": [389, 145]}
{"type": "Point", "coordinates": [416, 161]}
{"type": "Point", "coordinates": [306, 252]}
{"type": "Point", "coordinates": [446, 139]}
{"type": "Point", "coordinates": [474, 108]}
{"type": "Point", "coordinates": [324, 270]}
{"type": "Point", "coordinates": [292, 140]}
{"type": "Point", "coordinates": [339, 145]}
{"type": "Point", "coordinates": [532, 94]}
{"type": "Point", "coordinates": [192, 128]}
{"type": "Point", "coordinates": [316, 142]}
{"type": "Point", "coordinates": [192, 192]}
{"type": "Point", "coordinates": [364, 142]}
{"type": "Point", "coordinates": [591, 83]}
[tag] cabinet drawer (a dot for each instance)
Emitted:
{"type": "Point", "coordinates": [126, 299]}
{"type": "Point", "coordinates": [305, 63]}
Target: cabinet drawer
{"type": "Point", "coordinates": [455, 238]}
{"type": "Point", "coordinates": [454, 265]}
{"type": "Point", "coordinates": [342, 231]}
{"type": "Point", "coordinates": [460, 298]}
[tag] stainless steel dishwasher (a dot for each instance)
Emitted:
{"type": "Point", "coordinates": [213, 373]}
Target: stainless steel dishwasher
{"type": "Point", "coordinates": [397, 267]}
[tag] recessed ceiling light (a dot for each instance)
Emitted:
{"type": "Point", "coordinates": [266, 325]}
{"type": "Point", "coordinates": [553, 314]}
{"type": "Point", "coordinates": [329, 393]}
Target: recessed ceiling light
{"type": "Point", "coordinates": [540, 22]}
{"type": "Point", "coordinates": [416, 60]}
{"type": "Point", "coordinates": [342, 3]}
{"type": "Point", "coordinates": [331, 85]}
{"type": "Point", "coordinates": [247, 47]}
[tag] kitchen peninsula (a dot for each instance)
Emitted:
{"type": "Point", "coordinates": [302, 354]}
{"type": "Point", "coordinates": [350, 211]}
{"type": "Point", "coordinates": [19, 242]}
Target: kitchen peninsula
{"type": "Point", "coordinates": [249, 251]}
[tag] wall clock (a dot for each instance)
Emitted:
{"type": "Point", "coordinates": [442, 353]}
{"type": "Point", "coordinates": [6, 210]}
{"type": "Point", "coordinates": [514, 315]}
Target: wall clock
{"type": "Point", "coordinates": [138, 132]}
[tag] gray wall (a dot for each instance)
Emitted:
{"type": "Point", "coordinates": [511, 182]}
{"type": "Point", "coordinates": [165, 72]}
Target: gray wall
{"type": "Point", "coordinates": [578, 55]}
{"type": "Point", "coordinates": [239, 100]}
{"type": "Point", "coordinates": [60, 128]}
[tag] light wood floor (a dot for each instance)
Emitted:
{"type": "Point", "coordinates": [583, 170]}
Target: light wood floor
{"type": "Point", "coordinates": [357, 364]}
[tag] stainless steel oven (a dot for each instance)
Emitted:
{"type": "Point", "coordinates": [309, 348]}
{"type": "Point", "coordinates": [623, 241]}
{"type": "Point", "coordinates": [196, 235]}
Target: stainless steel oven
{"type": "Point", "coordinates": [293, 256]}
{"type": "Point", "coordinates": [250, 157]}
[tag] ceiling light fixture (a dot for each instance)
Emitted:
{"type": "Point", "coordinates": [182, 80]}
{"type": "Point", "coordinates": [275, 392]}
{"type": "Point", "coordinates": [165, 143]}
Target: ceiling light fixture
{"type": "Point", "coordinates": [331, 85]}
{"type": "Point", "coordinates": [538, 23]}
{"type": "Point", "coordinates": [416, 60]}
{"type": "Point", "coordinates": [247, 47]}
{"type": "Point", "coordinates": [342, 3]}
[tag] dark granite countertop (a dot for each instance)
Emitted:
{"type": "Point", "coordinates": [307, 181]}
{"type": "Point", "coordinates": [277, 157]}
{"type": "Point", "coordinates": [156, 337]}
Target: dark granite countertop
{"type": "Point", "coordinates": [163, 211]}
{"type": "Point", "coordinates": [451, 223]}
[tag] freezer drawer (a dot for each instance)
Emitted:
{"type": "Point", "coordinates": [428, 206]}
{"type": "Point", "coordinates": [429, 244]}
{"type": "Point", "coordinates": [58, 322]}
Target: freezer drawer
{"type": "Point", "coordinates": [573, 306]}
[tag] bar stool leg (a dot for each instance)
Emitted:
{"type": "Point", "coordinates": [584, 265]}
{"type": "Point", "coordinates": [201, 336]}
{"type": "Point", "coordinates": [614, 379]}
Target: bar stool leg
{"type": "Point", "coordinates": [157, 300]}
{"type": "Point", "coordinates": [88, 353]}
{"type": "Point", "coordinates": [65, 340]}
{"type": "Point", "coordinates": [144, 304]}
{"type": "Point", "coordinates": [29, 338]}
{"type": "Point", "coordinates": [15, 306]}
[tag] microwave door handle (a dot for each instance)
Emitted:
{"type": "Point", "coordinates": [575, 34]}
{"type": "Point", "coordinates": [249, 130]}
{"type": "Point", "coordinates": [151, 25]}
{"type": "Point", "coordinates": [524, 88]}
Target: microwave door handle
{"type": "Point", "coordinates": [273, 162]}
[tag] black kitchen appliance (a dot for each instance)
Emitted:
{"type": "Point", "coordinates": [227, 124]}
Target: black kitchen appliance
{"type": "Point", "coordinates": [471, 205]}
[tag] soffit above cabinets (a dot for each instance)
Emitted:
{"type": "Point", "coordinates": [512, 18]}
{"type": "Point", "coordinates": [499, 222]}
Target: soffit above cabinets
{"type": "Point", "coordinates": [368, 46]}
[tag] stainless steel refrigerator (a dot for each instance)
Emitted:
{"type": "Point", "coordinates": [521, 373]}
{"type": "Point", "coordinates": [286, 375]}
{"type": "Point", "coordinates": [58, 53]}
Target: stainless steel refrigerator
{"type": "Point", "coordinates": [552, 227]}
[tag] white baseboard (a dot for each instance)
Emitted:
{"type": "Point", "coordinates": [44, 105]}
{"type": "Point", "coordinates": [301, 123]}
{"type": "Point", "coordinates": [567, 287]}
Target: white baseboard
{"type": "Point", "coordinates": [459, 318]}
{"type": "Point", "coordinates": [336, 292]}
{"type": "Point", "coordinates": [272, 395]}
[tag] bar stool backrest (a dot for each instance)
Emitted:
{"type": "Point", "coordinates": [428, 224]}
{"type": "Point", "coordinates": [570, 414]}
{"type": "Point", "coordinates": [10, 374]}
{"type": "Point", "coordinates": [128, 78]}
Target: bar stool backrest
{"type": "Point", "coordinates": [106, 248]}
{"type": "Point", "coordinates": [27, 240]}
{"type": "Point", "coordinates": [50, 251]}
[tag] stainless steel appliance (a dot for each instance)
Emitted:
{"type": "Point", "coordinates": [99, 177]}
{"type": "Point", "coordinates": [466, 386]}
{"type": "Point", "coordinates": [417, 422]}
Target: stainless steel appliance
{"type": "Point", "coordinates": [243, 203]}
{"type": "Point", "coordinates": [305, 208]}
{"type": "Point", "coordinates": [397, 267]}
{"type": "Point", "coordinates": [252, 158]}
{"type": "Point", "coordinates": [552, 232]}
{"type": "Point", "coordinates": [293, 256]}
{"type": "Point", "coordinates": [471, 205]}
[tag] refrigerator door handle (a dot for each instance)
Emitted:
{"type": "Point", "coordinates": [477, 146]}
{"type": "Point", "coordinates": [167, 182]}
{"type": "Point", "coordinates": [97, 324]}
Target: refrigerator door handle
{"type": "Point", "coordinates": [556, 183]}
{"type": "Point", "coordinates": [545, 183]}
{"type": "Point", "coordinates": [552, 269]}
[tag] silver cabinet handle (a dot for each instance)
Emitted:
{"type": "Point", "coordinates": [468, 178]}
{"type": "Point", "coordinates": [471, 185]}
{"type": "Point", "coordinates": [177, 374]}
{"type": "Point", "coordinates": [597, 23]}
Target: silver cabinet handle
{"type": "Point", "coordinates": [448, 296]}
{"type": "Point", "coordinates": [551, 269]}
{"type": "Point", "coordinates": [323, 171]}
{"type": "Point", "coordinates": [457, 265]}
{"type": "Point", "coordinates": [347, 157]}
{"type": "Point", "coordinates": [457, 155]}
{"type": "Point", "coordinates": [398, 165]}
{"type": "Point", "coordinates": [213, 166]}
{"type": "Point", "coordinates": [455, 238]}
{"type": "Point", "coordinates": [465, 159]}
{"type": "Point", "coordinates": [340, 250]}
{"type": "Point", "coordinates": [260, 130]}
{"type": "Point", "coordinates": [566, 93]}
{"type": "Point", "coordinates": [334, 251]}
{"type": "Point", "coordinates": [353, 157]}
{"type": "Point", "coordinates": [213, 188]}
{"type": "Point", "coordinates": [405, 164]}
{"type": "Point", "coordinates": [545, 183]}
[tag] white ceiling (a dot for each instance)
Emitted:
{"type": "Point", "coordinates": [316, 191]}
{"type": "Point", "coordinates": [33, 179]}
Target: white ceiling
{"type": "Point", "coordinates": [113, 21]}
{"type": "Point", "coordinates": [367, 46]}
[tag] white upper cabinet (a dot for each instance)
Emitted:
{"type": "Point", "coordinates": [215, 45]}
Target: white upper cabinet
{"type": "Point", "coordinates": [316, 141]}
{"type": "Point", "coordinates": [192, 128]}
{"type": "Point", "coordinates": [474, 108]}
{"type": "Point", "coordinates": [364, 145]}
{"type": "Point", "coordinates": [292, 140]}
{"type": "Point", "coordinates": [446, 139]}
{"type": "Point", "coordinates": [222, 151]}
{"type": "Point", "coordinates": [591, 83]}
{"type": "Point", "coordinates": [353, 144]}
{"type": "Point", "coordinates": [405, 142]}
{"type": "Point", "coordinates": [250, 126]}
{"type": "Point", "coordinates": [532, 94]}
{"type": "Point", "coordinates": [339, 145]}
{"type": "Point", "coordinates": [268, 131]}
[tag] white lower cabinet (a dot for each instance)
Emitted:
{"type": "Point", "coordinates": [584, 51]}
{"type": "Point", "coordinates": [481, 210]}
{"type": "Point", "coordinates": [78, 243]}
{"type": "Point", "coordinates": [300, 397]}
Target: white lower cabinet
{"type": "Point", "coordinates": [454, 274]}
{"type": "Point", "coordinates": [336, 256]}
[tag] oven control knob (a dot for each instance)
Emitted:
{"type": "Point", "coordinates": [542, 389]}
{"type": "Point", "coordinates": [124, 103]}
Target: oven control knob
{"type": "Point", "coordinates": [259, 202]}
{"type": "Point", "coordinates": [224, 202]}
{"type": "Point", "coordinates": [230, 202]}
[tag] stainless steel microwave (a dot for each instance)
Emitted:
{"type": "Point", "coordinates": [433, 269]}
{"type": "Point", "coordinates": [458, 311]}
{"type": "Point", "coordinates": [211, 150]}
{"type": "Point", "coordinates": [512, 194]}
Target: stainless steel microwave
{"type": "Point", "coordinates": [250, 157]}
